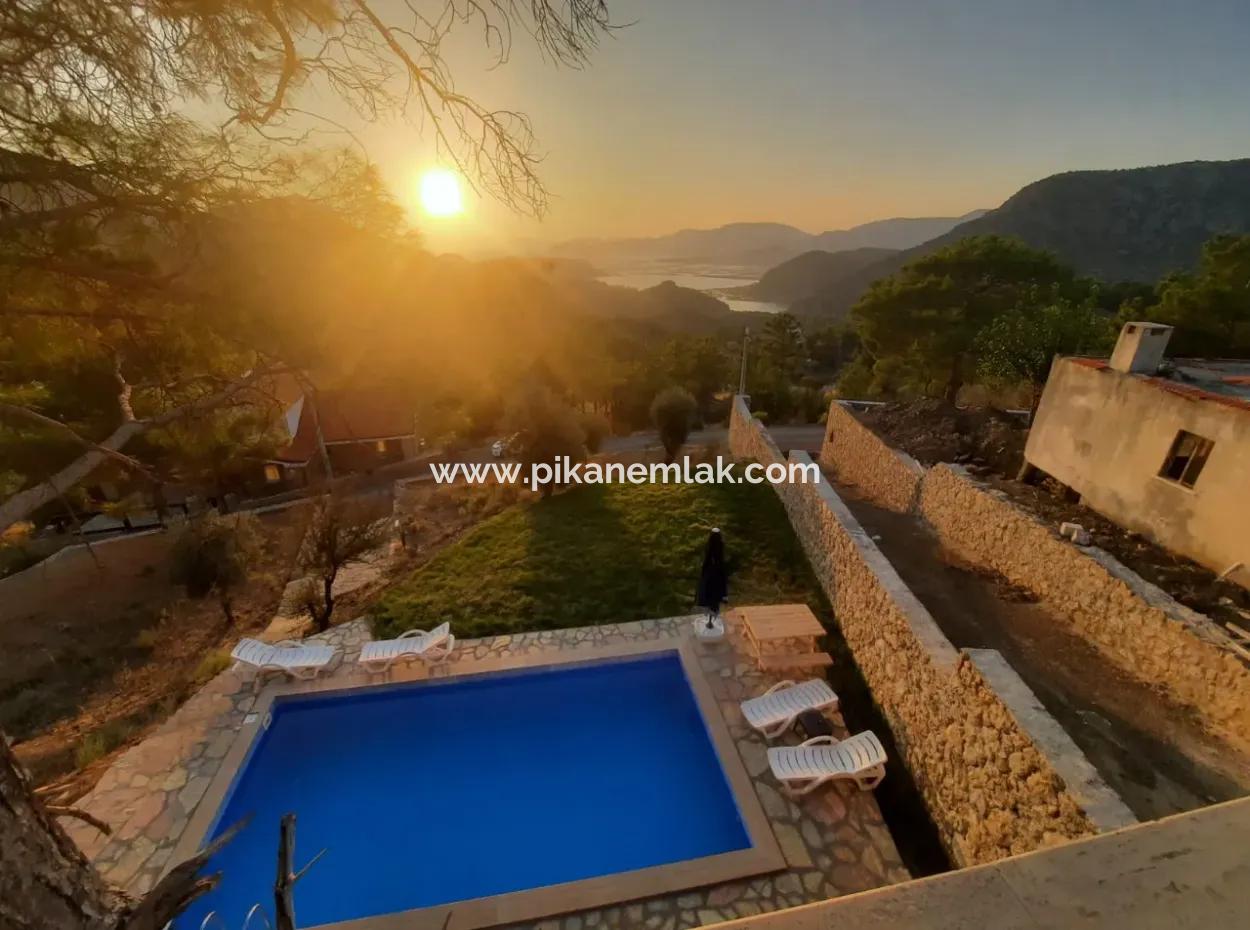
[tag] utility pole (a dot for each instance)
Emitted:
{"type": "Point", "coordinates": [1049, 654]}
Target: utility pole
{"type": "Point", "coordinates": [742, 377]}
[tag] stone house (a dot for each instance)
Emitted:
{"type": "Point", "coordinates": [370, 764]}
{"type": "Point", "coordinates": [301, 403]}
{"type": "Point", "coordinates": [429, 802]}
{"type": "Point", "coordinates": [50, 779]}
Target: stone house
{"type": "Point", "coordinates": [1161, 447]}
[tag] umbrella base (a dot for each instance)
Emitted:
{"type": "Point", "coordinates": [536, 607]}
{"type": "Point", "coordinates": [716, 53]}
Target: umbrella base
{"type": "Point", "coordinates": [704, 633]}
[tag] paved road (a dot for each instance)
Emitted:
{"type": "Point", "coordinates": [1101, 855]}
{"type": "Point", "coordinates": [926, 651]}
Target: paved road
{"type": "Point", "coordinates": [786, 437]}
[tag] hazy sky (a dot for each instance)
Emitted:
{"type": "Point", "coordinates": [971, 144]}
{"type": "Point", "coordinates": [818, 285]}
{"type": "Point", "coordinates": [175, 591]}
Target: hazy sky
{"type": "Point", "coordinates": [827, 113]}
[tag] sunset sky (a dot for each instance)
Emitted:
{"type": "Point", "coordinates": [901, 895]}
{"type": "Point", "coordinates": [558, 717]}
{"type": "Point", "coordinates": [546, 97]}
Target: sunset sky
{"type": "Point", "coordinates": [828, 113]}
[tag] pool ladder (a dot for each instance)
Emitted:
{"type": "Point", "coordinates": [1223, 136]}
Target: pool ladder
{"type": "Point", "coordinates": [214, 920]}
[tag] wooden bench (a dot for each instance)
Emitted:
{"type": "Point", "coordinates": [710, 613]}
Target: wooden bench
{"type": "Point", "coordinates": [771, 662]}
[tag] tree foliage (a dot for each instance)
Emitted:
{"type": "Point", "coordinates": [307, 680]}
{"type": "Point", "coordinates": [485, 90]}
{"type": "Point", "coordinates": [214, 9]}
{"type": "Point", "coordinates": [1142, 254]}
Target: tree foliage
{"type": "Point", "coordinates": [115, 325]}
{"type": "Point", "coordinates": [1018, 346]}
{"type": "Point", "coordinates": [927, 316]}
{"type": "Point", "coordinates": [776, 360]}
{"type": "Point", "coordinates": [114, 203]}
{"type": "Point", "coordinates": [342, 531]}
{"type": "Point", "coordinates": [213, 555]}
{"type": "Point", "coordinates": [673, 412]}
{"type": "Point", "coordinates": [595, 429]}
{"type": "Point", "coordinates": [1211, 307]}
{"type": "Point", "coordinates": [546, 429]}
{"type": "Point", "coordinates": [702, 365]}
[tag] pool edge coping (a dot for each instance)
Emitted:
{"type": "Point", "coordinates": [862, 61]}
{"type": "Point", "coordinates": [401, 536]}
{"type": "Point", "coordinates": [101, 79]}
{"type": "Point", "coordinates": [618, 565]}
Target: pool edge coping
{"type": "Point", "coordinates": [763, 856]}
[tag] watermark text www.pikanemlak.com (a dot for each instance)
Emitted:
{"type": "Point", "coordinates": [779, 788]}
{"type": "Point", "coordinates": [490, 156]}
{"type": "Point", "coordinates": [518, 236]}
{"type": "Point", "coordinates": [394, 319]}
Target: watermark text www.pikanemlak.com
{"type": "Point", "coordinates": [564, 470]}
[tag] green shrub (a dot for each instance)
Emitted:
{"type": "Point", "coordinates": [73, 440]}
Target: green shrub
{"type": "Point", "coordinates": [596, 428]}
{"type": "Point", "coordinates": [546, 429]}
{"type": "Point", "coordinates": [811, 404]}
{"type": "Point", "coordinates": [673, 412]}
{"type": "Point", "coordinates": [147, 639]}
{"type": "Point", "coordinates": [214, 554]}
{"type": "Point", "coordinates": [99, 743]}
{"type": "Point", "coordinates": [213, 664]}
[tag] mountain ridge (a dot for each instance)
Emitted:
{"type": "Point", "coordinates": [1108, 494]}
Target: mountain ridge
{"type": "Point", "coordinates": [1118, 225]}
{"type": "Point", "coordinates": [807, 274]}
{"type": "Point", "coordinates": [753, 245]}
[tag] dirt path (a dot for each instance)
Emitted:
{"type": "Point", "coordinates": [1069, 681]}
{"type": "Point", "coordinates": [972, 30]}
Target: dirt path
{"type": "Point", "coordinates": [1155, 755]}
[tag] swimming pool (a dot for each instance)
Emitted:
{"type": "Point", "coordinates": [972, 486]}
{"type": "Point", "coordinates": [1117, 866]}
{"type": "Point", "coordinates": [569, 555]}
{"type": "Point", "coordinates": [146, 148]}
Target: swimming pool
{"type": "Point", "coordinates": [438, 792]}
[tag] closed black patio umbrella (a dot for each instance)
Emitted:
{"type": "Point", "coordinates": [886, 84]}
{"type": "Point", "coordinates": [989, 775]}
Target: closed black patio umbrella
{"type": "Point", "coordinates": [713, 587]}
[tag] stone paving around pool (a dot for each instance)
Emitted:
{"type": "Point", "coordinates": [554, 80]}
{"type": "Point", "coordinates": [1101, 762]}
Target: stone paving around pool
{"type": "Point", "coordinates": [834, 840]}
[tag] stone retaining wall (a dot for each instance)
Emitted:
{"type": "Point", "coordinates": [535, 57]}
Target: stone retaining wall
{"type": "Point", "coordinates": [988, 787]}
{"type": "Point", "coordinates": [888, 477]}
{"type": "Point", "coordinates": [1138, 626]}
{"type": "Point", "coordinates": [748, 439]}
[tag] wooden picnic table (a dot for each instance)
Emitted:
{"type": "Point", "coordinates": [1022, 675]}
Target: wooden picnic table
{"type": "Point", "coordinates": [787, 625]}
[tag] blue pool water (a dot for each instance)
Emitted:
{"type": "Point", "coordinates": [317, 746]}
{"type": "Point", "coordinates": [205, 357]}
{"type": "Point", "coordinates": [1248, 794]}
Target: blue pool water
{"type": "Point", "coordinates": [429, 793]}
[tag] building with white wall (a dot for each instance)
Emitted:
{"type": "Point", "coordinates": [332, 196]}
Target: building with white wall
{"type": "Point", "coordinates": [1162, 448]}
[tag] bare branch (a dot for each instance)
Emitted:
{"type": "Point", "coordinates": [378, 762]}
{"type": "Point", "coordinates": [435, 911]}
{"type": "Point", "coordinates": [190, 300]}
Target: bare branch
{"type": "Point", "coordinates": [33, 416]}
{"type": "Point", "coordinates": [79, 814]}
{"type": "Point", "coordinates": [124, 390]}
{"type": "Point", "coordinates": [23, 503]}
{"type": "Point", "coordinates": [180, 886]}
{"type": "Point", "coordinates": [10, 310]}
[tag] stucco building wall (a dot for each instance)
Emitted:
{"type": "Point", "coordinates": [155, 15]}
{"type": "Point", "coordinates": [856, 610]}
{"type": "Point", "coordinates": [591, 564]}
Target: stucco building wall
{"type": "Point", "coordinates": [989, 787]}
{"type": "Point", "coordinates": [1106, 434]}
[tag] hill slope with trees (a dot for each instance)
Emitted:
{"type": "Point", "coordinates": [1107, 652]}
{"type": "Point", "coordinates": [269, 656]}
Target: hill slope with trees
{"type": "Point", "coordinates": [1135, 224]}
{"type": "Point", "coordinates": [808, 274]}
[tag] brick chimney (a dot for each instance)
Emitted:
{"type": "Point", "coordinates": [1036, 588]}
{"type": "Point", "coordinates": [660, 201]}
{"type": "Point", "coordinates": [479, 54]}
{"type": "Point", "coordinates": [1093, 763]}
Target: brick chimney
{"type": "Point", "coordinates": [1140, 348]}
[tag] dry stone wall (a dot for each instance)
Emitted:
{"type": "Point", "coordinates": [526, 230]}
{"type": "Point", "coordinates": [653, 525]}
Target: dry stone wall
{"type": "Point", "coordinates": [989, 788]}
{"type": "Point", "coordinates": [1138, 626]}
{"type": "Point", "coordinates": [1144, 631]}
{"type": "Point", "coordinates": [747, 437]}
{"type": "Point", "coordinates": [888, 477]}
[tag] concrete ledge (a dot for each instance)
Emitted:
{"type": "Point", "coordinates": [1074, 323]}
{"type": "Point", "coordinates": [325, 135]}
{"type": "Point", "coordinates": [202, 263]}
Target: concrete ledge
{"type": "Point", "coordinates": [1189, 870]}
{"type": "Point", "coordinates": [1101, 805]}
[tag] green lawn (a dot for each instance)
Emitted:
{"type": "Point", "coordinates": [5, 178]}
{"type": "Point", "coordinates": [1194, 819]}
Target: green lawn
{"type": "Point", "coordinates": [601, 554]}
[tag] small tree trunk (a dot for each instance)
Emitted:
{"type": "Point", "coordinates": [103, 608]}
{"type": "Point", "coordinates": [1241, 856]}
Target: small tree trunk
{"type": "Point", "coordinates": [227, 608]}
{"type": "Point", "coordinates": [46, 881]}
{"type": "Point", "coordinates": [284, 885]}
{"type": "Point", "coordinates": [159, 502]}
{"type": "Point", "coordinates": [327, 602]}
{"type": "Point", "coordinates": [954, 382]}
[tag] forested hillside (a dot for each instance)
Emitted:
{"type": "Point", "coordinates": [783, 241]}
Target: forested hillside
{"type": "Point", "coordinates": [1136, 224]}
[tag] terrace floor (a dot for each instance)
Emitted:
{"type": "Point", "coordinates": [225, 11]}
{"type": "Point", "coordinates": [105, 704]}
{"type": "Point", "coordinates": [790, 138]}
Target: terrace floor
{"type": "Point", "coordinates": [834, 841]}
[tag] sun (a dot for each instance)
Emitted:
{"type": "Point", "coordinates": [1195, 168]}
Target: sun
{"type": "Point", "coordinates": [440, 193]}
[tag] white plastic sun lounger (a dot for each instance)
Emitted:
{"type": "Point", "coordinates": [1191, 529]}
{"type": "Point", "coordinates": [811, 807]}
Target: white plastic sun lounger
{"type": "Point", "coordinates": [431, 647]}
{"type": "Point", "coordinates": [774, 711]}
{"type": "Point", "coordinates": [821, 759]}
{"type": "Point", "coordinates": [298, 660]}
